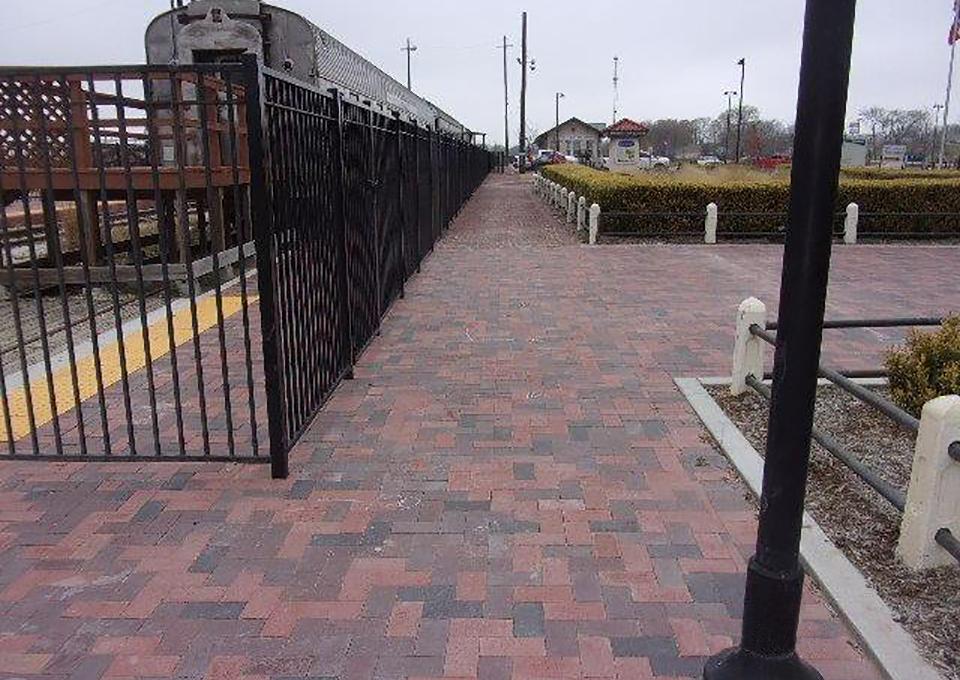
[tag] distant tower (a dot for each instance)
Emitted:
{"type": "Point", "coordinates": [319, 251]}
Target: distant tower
{"type": "Point", "coordinates": [616, 84]}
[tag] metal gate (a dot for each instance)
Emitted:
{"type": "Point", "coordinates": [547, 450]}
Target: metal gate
{"type": "Point", "coordinates": [125, 238]}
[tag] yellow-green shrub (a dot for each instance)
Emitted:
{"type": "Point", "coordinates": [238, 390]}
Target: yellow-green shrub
{"type": "Point", "coordinates": [890, 173]}
{"type": "Point", "coordinates": [926, 367]}
{"type": "Point", "coordinates": [757, 193]}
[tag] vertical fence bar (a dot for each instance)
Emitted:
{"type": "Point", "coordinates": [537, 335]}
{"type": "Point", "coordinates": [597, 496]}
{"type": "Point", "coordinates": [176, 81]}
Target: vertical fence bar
{"type": "Point", "coordinates": [243, 231]}
{"type": "Point", "coordinates": [164, 252]}
{"type": "Point", "coordinates": [774, 576]}
{"type": "Point", "coordinates": [133, 233]}
{"type": "Point", "coordinates": [89, 243]}
{"type": "Point", "coordinates": [263, 233]}
{"type": "Point", "coordinates": [106, 230]}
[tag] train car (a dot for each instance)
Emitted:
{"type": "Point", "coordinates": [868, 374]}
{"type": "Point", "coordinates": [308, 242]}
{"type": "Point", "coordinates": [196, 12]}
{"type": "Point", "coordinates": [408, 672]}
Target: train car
{"type": "Point", "coordinates": [215, 31]}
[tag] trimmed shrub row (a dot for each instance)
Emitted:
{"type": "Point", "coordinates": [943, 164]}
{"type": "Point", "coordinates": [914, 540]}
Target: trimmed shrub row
{"type": "Point", "coordinates": [660, 193]}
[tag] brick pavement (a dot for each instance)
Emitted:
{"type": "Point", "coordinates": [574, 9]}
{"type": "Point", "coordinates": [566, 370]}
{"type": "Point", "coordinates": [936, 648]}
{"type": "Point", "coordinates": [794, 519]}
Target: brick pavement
{"type": "Point", "coordinates": [511, 487]}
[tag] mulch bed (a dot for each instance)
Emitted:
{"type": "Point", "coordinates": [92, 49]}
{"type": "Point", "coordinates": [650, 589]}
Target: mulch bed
{"type": "Point", "coordinates": [860, 522]}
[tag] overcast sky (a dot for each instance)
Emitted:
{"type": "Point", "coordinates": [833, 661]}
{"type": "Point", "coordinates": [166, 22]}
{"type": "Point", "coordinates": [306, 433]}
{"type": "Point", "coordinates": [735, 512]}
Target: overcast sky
{"type": "Point", "coordinates": [676, 56]}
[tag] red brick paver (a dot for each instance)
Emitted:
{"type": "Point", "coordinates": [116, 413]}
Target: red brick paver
{"type": "Point", "coordinates": [511, 488]}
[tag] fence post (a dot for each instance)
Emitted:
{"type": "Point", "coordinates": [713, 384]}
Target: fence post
{"type": "Point", "coordinates": [263, 236]}
{"type": "Point", "coordinates": [571, 206]}
{"type": "Point", "coordinates": [710, 226]}
{"type": "Point", "coordinates": [933, 497]}
{"type": "Point", "coordinates": [850, 224]}
{"type": "Point", "coordinates": [747, 348]}
{"type": "Point", "coordinates": [594, 223]}
{"type": "Point", "coordinates": [581, 213]}
{"type": "Point", "coordinates": [400, 197]}
{"type": "Point", "coordinates": [343, 255]}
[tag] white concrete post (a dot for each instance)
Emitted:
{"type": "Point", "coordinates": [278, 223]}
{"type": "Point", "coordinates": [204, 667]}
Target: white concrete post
{"type": "Point", "coordinates": [571, 206]}
{"type": "Point", "coordinates": [553, 193]}
{"type": "Point", "coordinates": [933, 497]}
{"type": "Point", "coordinates": [558, 197]}
{"type": "Point", "coordinates": [581, 213]}
{"type": "Point", "coordinates": [747, 348]}
{"type": "Point", "coordinates": [850, 224]}
{"type": "Point", "coordinates": [710, 226]}
{"type": "Point", "coordinates": [594, 223]}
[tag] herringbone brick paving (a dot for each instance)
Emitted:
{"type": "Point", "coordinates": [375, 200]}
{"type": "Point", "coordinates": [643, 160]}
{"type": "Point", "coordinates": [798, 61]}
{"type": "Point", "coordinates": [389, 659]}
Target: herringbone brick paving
{"type": "Point", "coordinates": [511, 487]}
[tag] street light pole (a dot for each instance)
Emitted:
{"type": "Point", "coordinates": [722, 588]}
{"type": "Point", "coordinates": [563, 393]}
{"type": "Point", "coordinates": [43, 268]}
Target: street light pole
{"type": "Point", "coordinates": [774, 588]}
{"type": "Point", "coordinates": [936, 126]}
{"type": "Point", "coordinates": [559, 95]}
{"type": "Point", "coordinates": [408, 49]}
{"type": "Point", "coordinates": [726, 145]}
{"type": "Point", "coordinates": [743, 74]}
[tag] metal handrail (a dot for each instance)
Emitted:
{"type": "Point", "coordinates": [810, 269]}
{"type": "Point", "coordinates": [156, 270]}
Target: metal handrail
{"type": "Point", "coordinates": [885, 406]}
{"type": "Point", "coordinates": [874, 323]}
{"type": "Point", "coordinates": [870, 477]}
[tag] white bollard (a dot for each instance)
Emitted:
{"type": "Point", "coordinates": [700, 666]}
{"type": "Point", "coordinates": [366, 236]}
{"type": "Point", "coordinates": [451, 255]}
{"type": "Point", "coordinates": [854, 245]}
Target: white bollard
{"type": "Point", "coordinates": [571, 206]}
{"type": "Point", "coordinates": [710, 226]}
{"type": "Point", "coordinates": [850, 224]}
{"type": "Point", "coordinates": [933, 497]}
{"type": "Point", "coordinates": [747, 348]}
{"type": "Point", "coordinates": [594, 223]}
{"type": "Point", "coordinates": [581, 213]}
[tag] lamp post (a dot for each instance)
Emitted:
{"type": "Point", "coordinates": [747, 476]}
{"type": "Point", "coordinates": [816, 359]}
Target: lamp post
{"type": "Point", "coordinates": [729, 94]}
{"type": "Point", "coordinates": [559, 95]}
{"type": "Point", "coordinates": [774, 588]}
{"type": "Point", "coordinates": [743, 74]}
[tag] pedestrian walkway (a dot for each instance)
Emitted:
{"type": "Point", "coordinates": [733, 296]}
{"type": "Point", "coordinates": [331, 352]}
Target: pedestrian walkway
{"type": "Point", "coordinates": [511, 487]}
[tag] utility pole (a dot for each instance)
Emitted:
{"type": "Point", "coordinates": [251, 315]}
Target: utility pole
{"type": "Point", "coordinates": [408, 49]}
{"type": "Point", "coordinates": [523, 97]}
{"type": "Point", "coordinates": [729, 94]}
{"type": "Point", "coordinates": [616, 87]}
{"type": "Point", "coordinates": [506, 99]}
{"type": "Point", "coordinates": [559, 96]}
{"type": "Point", "coordinates": [774, 586]}
{"type": "Point", "coordinates": [743, 74]}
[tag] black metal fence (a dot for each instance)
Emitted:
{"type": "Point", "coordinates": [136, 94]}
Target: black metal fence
{"type": "Point", "coordinates": [134, 199]}
{"type": "Point", "coordinates": [844, 381]}
{"type": "Point", "coordinates": [349, 202]}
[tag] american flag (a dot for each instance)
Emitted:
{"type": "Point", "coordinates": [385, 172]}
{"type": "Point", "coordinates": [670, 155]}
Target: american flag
{"type": "Point", "coordinates": [955, 27]}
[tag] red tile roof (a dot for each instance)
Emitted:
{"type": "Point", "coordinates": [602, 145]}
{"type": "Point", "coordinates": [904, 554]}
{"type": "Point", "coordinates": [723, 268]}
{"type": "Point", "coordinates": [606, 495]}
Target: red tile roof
{"type": "Point", "coordinates": [625, 126]}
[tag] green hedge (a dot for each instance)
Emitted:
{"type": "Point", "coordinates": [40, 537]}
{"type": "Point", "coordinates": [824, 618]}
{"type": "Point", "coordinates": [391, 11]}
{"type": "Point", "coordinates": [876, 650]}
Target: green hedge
{"type": "Point", "coordinates": [662, 193]}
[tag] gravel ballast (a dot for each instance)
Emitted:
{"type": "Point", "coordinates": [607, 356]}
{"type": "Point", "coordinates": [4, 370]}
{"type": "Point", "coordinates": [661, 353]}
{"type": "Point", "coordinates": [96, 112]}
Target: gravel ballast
{"type": "Point", "coordinates": [860, 522]}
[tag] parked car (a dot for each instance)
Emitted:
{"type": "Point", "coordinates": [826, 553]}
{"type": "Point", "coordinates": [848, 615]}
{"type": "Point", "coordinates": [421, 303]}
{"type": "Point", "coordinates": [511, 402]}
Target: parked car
{"type": "Point", "coordinates": [649, 161]}
{"type": "Point", "coordinates": [709, 161]}
{"type": "Point", "coordinates": [772, 162]}
{"type": "Point", "coordinates": [571, 159]}
{"type": "Point", "coordinates": [547, 157]}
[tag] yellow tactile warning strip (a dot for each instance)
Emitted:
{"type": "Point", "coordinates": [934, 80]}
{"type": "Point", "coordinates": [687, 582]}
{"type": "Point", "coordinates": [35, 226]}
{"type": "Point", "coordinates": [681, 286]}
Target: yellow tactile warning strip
{"type": "Point", "coordinates": [136, 357]}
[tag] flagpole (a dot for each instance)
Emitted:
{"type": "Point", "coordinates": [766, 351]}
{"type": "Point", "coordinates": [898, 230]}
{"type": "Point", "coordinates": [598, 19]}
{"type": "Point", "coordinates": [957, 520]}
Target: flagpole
{"type": "Point", "coordinates": [946, 105]}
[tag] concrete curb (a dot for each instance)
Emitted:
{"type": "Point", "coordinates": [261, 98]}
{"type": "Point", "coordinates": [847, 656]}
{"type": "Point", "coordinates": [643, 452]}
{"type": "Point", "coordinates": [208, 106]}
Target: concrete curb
{"type": "Point", "coordinates": [846, 588]}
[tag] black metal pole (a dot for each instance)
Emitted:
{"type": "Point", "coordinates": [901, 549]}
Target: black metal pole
{"type": "Point", "coordinates": [263, 236]}
{"type": "Point", "coordinates": [774, 577]}
{"type": "Point", "coordinates": [523, 98]}
{"type": "Point", "coordinates": [743, 74]}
